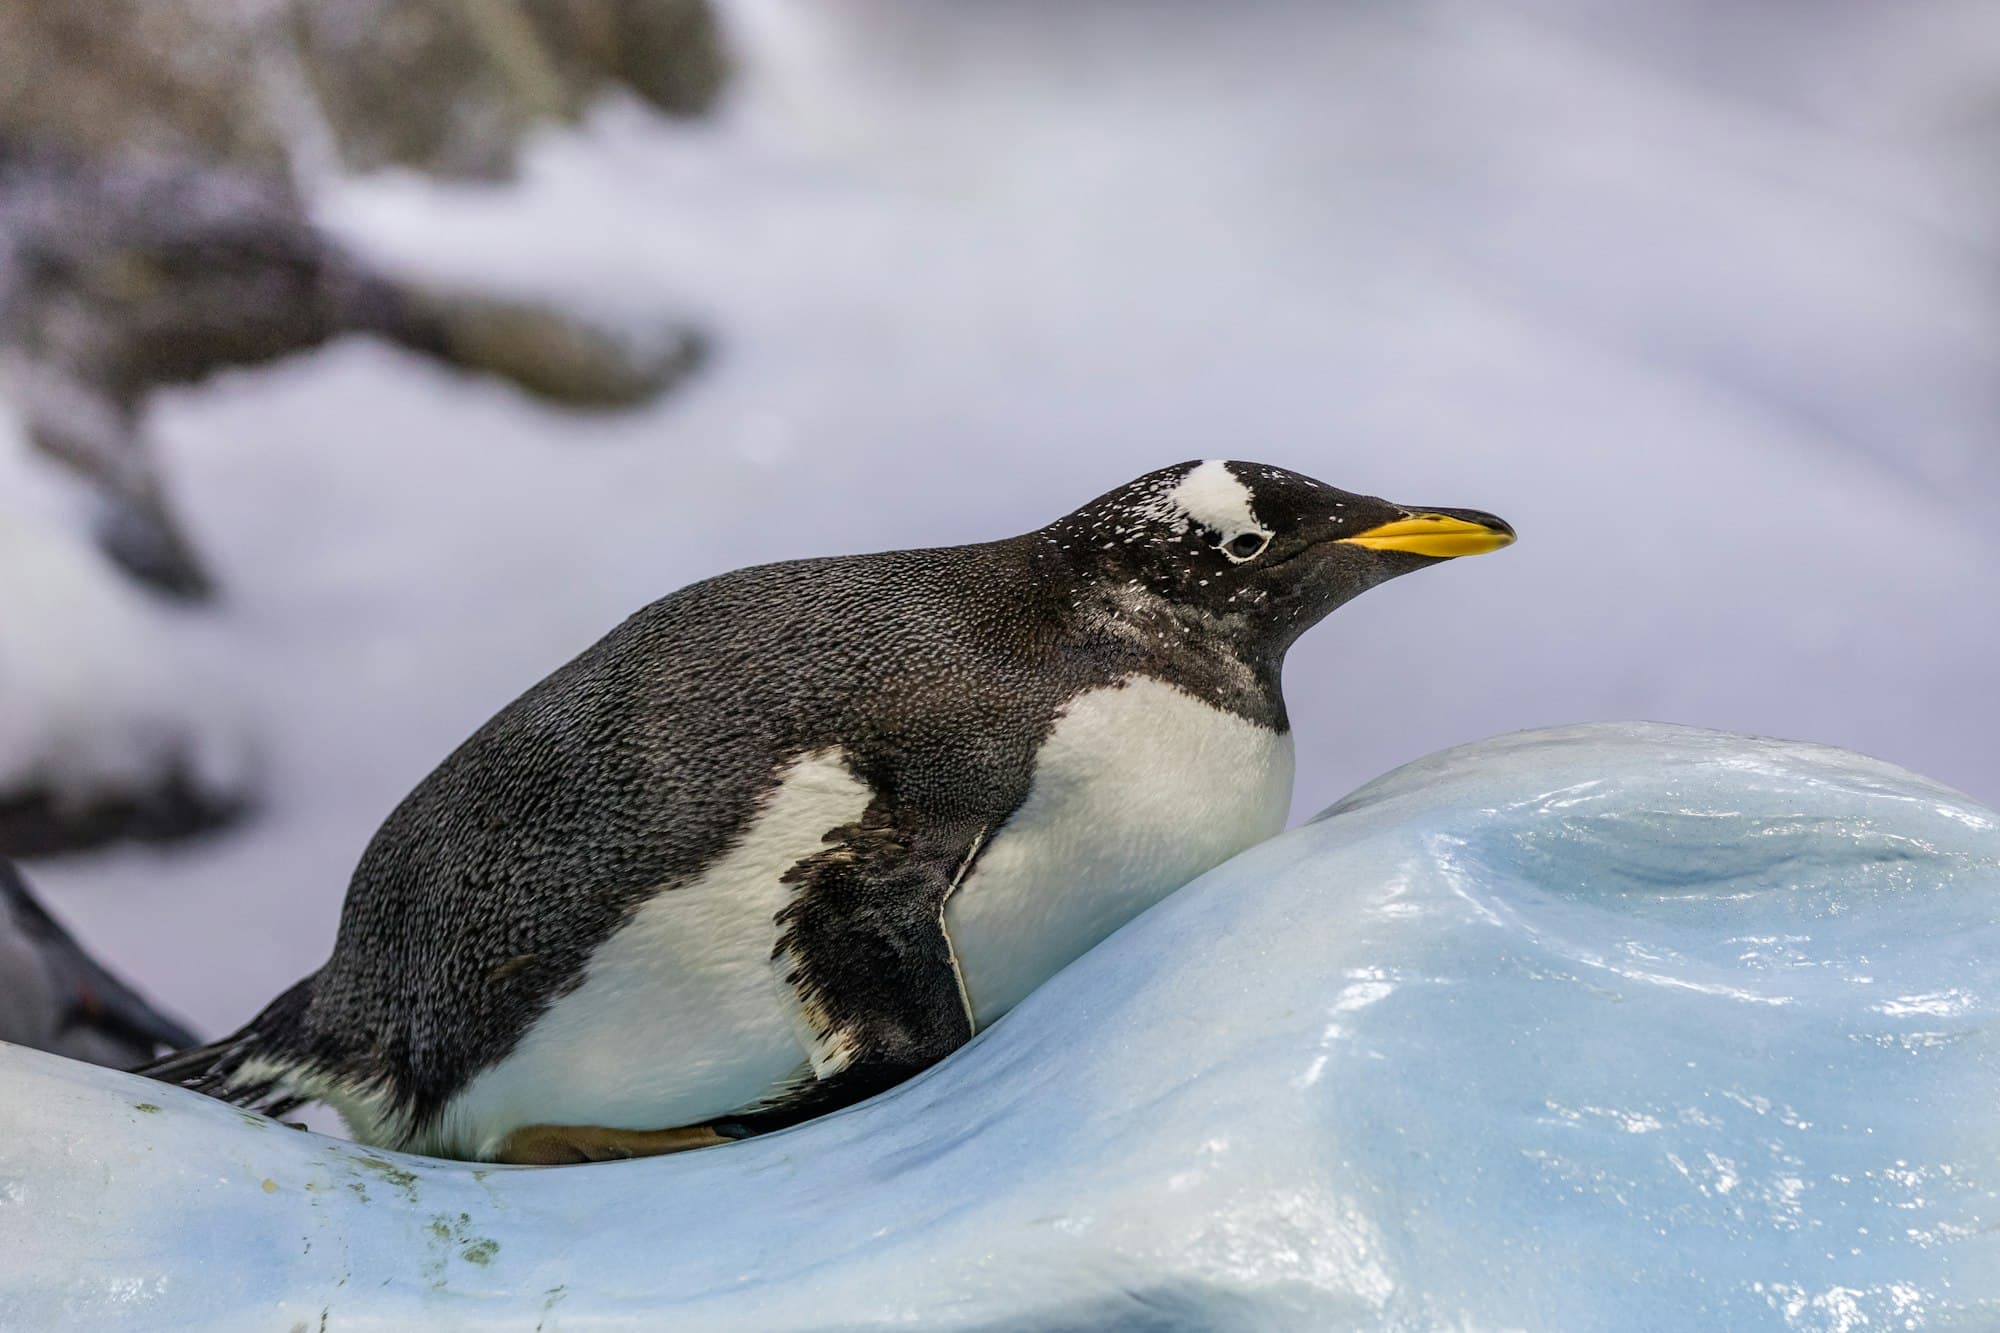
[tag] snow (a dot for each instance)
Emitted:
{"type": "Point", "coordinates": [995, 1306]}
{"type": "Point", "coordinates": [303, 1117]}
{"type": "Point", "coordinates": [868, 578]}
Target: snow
{"type": "Point", "coordinates": [1610, 1027]}
{"type": "Point", "coordinates": [103, 693]}
{"type": "Point", "coordinates": [1709, 321]}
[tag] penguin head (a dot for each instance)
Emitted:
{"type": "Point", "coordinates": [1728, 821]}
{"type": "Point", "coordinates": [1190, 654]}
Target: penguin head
{"type": "Point", "coordinates": [1259, 554]}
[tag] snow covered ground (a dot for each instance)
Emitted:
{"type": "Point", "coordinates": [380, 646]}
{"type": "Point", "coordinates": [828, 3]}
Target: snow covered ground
{"type": "Point", "coordinates": [104, 692]}
{"type": "Point", "coordinates": [1702, 301]}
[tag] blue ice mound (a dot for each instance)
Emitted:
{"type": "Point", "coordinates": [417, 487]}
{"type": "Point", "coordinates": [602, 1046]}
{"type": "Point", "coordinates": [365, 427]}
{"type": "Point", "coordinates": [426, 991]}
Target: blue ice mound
{"type": "Point", "coordinates": [1602, 1027]}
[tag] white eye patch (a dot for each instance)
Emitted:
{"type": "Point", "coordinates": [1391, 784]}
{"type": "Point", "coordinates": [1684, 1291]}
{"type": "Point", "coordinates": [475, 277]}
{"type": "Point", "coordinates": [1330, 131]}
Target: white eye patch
{"type": "Point", "coordinates": [1212, 496]}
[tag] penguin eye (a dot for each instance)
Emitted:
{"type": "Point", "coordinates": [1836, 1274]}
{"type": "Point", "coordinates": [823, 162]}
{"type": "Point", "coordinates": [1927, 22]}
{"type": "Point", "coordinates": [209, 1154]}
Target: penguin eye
{"type": "Point", "coordinates": [1247, 545]}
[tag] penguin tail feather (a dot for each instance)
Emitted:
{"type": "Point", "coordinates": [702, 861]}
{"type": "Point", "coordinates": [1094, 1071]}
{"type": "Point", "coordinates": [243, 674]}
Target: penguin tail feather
{"type": "Point", "coordinates": [250, 1067]}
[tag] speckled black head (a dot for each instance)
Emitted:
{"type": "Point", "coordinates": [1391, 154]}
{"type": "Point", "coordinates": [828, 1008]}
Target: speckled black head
{"type": "Point", "coordinates": [1257, 554]}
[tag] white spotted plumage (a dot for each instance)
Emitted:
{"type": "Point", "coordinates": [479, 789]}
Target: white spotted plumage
{"type": "Point", "coordinates": [1213, 497]}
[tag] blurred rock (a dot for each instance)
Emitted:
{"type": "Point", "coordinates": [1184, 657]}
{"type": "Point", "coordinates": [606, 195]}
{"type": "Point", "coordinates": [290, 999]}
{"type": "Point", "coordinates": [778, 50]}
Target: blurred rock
{"type": "Point", "coordinates": [568, 361]}
{"type": "Point", "coordinates": [441, 85]}
{"type": "Point", "coordinates": [452, 87]}
{"type": "Point", "coordinates": [176, 805]}
{"type": "Point", "coordinates": [120, 80]}
{"type": "Point", "coordinates": [55, 997]}
{"type": "Point", "coordinates": [669, 52]}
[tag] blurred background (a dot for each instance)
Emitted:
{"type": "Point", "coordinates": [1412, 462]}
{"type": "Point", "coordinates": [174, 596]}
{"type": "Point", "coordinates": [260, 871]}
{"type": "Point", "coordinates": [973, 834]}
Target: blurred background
{"type": "Point", "coordinates": [366, 359]}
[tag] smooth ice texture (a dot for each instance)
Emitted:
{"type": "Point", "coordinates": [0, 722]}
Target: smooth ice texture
{"type": "Point", "coordinates": [1605, 1027]}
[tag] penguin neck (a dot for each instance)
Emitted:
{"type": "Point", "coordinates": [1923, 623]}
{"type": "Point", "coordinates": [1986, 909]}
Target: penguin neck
{"type": "Point", "coordinates": [1222, 660]}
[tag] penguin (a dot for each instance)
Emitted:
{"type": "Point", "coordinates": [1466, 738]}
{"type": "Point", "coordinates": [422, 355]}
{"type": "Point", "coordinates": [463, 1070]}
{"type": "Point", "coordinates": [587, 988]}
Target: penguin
{"type": "Point", "coordinates": [55, 997]}
{"type": "Point", "coordinates": [790, 835]}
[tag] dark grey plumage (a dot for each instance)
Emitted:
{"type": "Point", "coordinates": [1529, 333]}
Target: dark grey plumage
{"type": "Point", "coordinates": [939, 673]}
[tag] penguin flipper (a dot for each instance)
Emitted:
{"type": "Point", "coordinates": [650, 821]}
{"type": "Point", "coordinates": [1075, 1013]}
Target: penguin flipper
{"type": "Point", "coordinates": [862, 945]}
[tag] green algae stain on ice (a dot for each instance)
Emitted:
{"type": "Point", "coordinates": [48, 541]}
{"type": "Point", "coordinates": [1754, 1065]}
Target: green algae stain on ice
{"type": "Point", "coordinates": [450, 1233]}
{"type": "Point", "coordinates": [402, 1179]}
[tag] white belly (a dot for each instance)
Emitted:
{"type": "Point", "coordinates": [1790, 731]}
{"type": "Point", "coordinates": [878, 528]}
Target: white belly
{"type": "Point", "coordinates": [683, 1016]}
{"type": "Point", "coordinates": [1139, 789]}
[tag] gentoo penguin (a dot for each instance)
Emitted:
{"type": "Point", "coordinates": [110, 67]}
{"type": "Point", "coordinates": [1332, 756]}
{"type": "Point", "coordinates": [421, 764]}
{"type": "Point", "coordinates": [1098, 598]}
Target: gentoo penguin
{"type": "Point", "coordinates": [55, 997]}
{"type": "Point", "coordinates": [790, 835]}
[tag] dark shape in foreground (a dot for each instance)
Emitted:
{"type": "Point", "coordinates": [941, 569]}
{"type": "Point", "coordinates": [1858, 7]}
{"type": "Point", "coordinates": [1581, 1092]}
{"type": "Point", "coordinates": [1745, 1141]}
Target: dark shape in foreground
{"type": "Point", "coordinates": [55, 997]}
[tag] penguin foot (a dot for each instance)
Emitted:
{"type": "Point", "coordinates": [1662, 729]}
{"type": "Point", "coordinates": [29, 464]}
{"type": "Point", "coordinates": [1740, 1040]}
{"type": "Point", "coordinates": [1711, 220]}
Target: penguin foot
{"type": "Point", "coordinates": [565, 1145]}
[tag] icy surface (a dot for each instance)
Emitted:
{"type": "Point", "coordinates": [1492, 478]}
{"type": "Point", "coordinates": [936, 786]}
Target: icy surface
{"type": "Point", "coordinates": [1605, 1027]}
